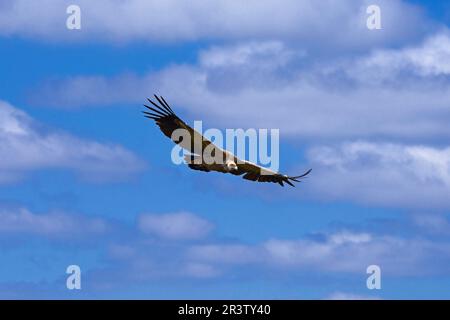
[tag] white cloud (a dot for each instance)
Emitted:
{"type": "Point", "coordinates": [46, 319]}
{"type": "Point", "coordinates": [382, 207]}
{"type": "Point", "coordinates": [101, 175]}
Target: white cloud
{"type": "Point", "coordinates": [348, 237]}
{"type": "Point", "coordinates": [175, 226]}
{"type": "Point", "coordinates": [21, 221]}
{"type": "Point", "coordinates": [339, 252]}
{"type": "Point", "coordinates": [299, 20]}
{"type": "Point", "coordinates": [26, 146]}
{"type": "Point", "coordinates": [268, 54]}
{"type": "Point", "coordinates": [382, 173]}
{"type": "Point", "coordinates": [428, 59]}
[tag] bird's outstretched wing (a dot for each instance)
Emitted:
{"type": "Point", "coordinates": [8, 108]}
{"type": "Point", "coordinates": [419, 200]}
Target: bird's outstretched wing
{"type": "Point", "coordinates": [168, 122]}
{"type": "Point", "coordinates": [254, 172]}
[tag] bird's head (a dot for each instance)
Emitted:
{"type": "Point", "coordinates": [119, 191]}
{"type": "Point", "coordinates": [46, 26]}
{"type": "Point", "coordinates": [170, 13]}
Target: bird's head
{"type": "Point", "coordinates": [231, 166]}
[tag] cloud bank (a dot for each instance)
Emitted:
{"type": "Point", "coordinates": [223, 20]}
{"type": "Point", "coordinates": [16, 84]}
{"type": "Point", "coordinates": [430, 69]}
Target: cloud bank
{"type": "Point", "coordinates": [412, 176]}
{"type": "Point", "coordinates": [387, 94]}
{"type": "Point", "coordinates": [171, 21]}
{"type": "Point", "coordinates": [26, 146]}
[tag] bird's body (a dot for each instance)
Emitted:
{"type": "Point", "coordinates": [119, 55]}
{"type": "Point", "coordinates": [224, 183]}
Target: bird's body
{"type": "Point", "coordinates": [215, 159]}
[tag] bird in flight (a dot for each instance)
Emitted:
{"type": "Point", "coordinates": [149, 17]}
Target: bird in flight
{"type": "Point", "coordinates": [168, 122]}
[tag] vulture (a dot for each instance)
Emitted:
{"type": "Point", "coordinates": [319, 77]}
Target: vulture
{"type": "Point", "coordinates": [168, 122]}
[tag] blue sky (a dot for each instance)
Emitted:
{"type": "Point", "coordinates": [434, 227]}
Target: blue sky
{"type": "Point", "coordinates": [86, 180]}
